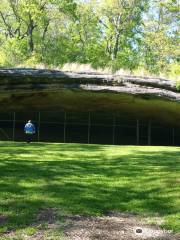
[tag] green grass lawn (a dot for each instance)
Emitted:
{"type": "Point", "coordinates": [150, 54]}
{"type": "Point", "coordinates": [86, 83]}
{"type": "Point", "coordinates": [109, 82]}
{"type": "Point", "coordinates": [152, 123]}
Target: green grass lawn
{"type": "Point", "coordinates": [88, 180]}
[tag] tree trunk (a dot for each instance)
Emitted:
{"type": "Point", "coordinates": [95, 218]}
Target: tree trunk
{"type": "Point", "coordinates": [116, 46]}
{"type": "Point", "coordinates": [30, 33]}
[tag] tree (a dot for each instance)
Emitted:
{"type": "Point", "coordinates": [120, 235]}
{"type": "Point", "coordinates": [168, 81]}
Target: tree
{"type": "Point", "coordinates": [114, 33]}
{"type": "Point", "coordinates": [161, 35]}
{"type": "Point", "coordinates": [30, 19]}
{"type": "Point", "coordinates": [121, 22]}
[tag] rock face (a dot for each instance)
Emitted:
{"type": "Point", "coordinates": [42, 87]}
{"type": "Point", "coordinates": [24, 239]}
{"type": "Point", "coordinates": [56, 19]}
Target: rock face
{"type": "Point", "coordinates": [40, 90]}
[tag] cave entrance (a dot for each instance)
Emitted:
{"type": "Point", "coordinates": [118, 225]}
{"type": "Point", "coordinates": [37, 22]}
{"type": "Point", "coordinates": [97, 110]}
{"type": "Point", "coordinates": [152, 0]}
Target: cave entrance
{"type": "Point", "coordinates": [143, 132]}
{"type": "Point", "coordinates": [88, 127]}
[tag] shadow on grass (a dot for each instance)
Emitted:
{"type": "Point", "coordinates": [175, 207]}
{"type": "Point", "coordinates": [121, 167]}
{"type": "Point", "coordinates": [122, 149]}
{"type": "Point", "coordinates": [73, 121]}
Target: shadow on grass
{"type": "Point", "coordinates": [85, 179]}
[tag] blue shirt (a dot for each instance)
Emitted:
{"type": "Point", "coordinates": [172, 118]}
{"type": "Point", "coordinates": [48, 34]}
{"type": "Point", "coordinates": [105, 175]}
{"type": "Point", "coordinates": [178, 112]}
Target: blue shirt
{"type": "Point", "coordinates": [29, 128]}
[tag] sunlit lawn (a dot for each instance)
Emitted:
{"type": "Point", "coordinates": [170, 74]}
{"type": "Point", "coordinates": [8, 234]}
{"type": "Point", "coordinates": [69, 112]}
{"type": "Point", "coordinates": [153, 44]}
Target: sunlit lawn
{"type": "Point", "coordinates": [88, 180]}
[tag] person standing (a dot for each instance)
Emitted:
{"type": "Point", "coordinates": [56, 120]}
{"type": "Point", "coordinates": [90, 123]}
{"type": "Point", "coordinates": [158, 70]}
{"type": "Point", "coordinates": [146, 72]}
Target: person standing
{"type": "Point", "coordinates": [29, 130]}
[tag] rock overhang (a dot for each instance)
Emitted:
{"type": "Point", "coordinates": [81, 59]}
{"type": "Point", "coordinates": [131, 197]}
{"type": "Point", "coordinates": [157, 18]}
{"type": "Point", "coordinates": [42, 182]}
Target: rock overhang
{"type": "Point", "coordinates": [41, 90]}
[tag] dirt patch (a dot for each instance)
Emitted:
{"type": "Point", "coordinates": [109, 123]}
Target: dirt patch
{"type": "Point", "coordinates": [114, 227]}
{"type": "Point", "coordinates": [40, 235]}
{"type": "Point", "coordinates": [48, 215]}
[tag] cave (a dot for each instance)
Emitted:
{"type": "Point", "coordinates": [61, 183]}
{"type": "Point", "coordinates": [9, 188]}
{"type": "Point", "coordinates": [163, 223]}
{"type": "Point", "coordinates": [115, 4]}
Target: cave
{"type": "Point", "coordinates": [89, 108]}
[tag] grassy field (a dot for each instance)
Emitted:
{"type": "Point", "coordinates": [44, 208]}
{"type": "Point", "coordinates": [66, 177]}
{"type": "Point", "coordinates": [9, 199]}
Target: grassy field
{"type": "Point", "coordinates": [87, 180]}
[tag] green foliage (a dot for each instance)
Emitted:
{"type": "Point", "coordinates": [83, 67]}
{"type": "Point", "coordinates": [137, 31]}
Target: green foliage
{"type": "Point", "coordinates": [174, 69]}
{"type": "Point", "coordinates": [174, 72]}
{"type": "Point", "coordinates": [161, 36]}
{"type": "Point", "coordinates": [13, 52]}
{"type": "Point", "coordinates": [33, 60]}
{"type": "Point", "coordinates": [126, 59]}
{"type": "Point", "coordinates": [178, 85]}
{"type": "Point", "coordinates": [3, 59]}
{"type": "Point", "coordinates": [108, 33]}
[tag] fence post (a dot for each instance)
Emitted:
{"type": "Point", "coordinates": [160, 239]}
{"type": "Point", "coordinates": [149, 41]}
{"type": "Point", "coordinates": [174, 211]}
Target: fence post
{"type": "Point", "coordinates": [39, 122]}
{"type": "Point", "coordinates": [89, 126]}
{"type": "Point", "coordinates": [114, 128]}
{"type": "Point", "coordinates": [65, 126]}
{"type": "Point", "coordinates": [173, 142]}
{"type": "Point", "coordinates": [14, 123]}
{"type": "Point", "coordinates": [137, 132]}
{"type": "Point", "coordinates": [149, 133]}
